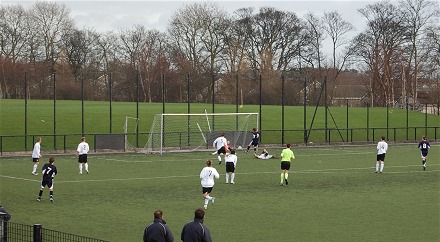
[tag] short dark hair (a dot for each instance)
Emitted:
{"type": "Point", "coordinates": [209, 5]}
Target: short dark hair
{"type": "Point", "coordinates": [208, 162]}
{"type": "Point", "coordinates": [383, 137]}
{"type": "Point", "coordinates": [199, 213]}
{"type": "Point", "coordinates": [158, 214]}
{"type": "Point", "coordinates": [288, 145]}
{"type": "Point", "coordinates": [232, 151]}
{"type": "Point", "coordinates": [52, 159]}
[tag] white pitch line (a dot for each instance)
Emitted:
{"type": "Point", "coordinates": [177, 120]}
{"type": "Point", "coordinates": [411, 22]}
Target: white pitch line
{"type": "Point", "coordinates": [20, 178]}
{"type": "Point", "coordinates": [326, 171]}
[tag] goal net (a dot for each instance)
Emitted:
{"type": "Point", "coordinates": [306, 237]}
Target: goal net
{"type": "Point", "coordinates": [131, 132]}
{"type": "Point", "coordinates": [189, 132]}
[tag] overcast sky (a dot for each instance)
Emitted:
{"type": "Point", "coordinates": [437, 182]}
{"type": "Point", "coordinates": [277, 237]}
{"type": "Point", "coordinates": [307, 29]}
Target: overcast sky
{"type": "Point", "coordinates": [111, 15]}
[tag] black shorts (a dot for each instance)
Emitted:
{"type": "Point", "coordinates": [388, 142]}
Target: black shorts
{"type": "Point", "coordinates": [221, 150]}
{"type": "Point", "coordinates": [35, 159]}
{"type": "Point", "coordinates": [230, 167]}
{"type": "Point", "coordinates": [206, 190]}
{"type": "Point", "coordinates": [285, 165]}
{"type": "Point", "coordinates": [254, 143]}
{"type": "Point", "coordinates": [48, 183]}
{"type": "Point", "coordinates": [381, 157]}
{"type": "Point", "coordinates": [82, 158]}
{"type": "Point", "coordinates": [424, 153]}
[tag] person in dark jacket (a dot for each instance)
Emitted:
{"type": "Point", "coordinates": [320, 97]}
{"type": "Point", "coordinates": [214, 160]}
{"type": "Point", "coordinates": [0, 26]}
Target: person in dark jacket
{"type": "Point", "coordinates": [196, 231]}
{"type": "Point", "coordinates": [4, 217]}
{"type": "Point", "coordinates": [158, 231]}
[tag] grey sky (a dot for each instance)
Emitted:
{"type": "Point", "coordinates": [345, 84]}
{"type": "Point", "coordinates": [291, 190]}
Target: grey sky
{"type": "Point", "coordinates": [111, 15]}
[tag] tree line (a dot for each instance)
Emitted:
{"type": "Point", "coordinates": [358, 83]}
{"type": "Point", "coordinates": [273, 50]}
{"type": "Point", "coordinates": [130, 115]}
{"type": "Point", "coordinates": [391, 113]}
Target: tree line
{"type": "Point", "coordinates": [208, 52]}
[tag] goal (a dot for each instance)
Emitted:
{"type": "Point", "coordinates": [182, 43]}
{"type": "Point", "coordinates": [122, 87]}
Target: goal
{"type": "Point", "coordinates": [131, 133]}
{"type": "Point", "coordinates": [189, 132]}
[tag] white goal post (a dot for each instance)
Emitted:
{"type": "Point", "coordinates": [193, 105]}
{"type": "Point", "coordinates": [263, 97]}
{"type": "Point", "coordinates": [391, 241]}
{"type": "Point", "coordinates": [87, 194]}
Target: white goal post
{"type": "Point", "coordinates": [189, 132]}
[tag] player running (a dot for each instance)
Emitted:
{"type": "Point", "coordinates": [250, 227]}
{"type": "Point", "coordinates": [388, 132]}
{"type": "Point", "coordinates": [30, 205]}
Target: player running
{"type": "Point", "coordinates": [254, 142]}
{"type": "Point", "coordinates": [207, 176]}
{"type": "Point", "coordinates": [424, 146]}
{"type": "Point", "coordinates": [221, 144]}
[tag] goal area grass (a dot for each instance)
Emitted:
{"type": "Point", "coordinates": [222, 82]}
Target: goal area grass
{"type": "Point", "coordinates": [333, 195]}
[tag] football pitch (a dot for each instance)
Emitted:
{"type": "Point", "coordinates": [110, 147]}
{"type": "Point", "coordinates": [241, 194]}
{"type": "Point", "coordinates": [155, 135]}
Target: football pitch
{"type": "Point", "coordinates": [333, 195]}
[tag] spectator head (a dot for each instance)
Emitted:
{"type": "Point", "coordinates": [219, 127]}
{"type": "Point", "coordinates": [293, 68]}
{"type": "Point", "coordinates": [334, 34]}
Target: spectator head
{"type": "Point", "coordinates": [158, 214]}
{"type": "Point", "coordinates": [199, 213]}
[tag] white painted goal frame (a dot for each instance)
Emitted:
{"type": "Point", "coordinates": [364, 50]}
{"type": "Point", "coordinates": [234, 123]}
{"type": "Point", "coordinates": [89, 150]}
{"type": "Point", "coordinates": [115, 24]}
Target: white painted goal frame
{"type": "Point", "coordinates": [190, 132]}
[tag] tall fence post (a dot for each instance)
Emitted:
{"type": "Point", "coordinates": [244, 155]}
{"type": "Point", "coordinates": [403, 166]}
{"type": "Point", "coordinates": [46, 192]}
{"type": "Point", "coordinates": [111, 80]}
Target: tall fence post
{"type": "Point", "coordinates": [305, 111]}
{"type": "Point", "coordinates": [38, 233]}
{"type": "Point", "coordinates": [426, 119]}
{"type": "Point", "coordinates": [25, 110]}
{"type": "Point", "coordinates": [368, 122]}
{"type": "Point", "coordinates": [347, 120]}
{"type": "Point", "coordinates": [54, 112]}
{"type": "Point", "coordinates": [261, 110]}
{"type": "Point", "coordinates": [282, 110]}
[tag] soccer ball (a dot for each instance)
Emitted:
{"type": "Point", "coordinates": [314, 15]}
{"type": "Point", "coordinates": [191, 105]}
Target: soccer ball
{"type": "Point", "coordinates": [239, 147]}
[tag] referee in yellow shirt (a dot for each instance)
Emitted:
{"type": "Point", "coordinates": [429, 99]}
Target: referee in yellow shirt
{"type": "Point", "coordinates": [286, 156]}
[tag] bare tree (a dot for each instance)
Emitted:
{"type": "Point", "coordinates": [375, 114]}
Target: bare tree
{"type": "Point", "coordinates": [416, 15]}
{"type": "Point", "coordinates": [13, 36]}
{"type": "Point", "coordinates": [51, 20]}
{"type": "Point", "coordinates": [337, 29]}
{"type": "Point", "coordinates": [197, 35]}
{"type": "Point", "coordinates": [78, 45]}
{"type": "Point", "coordinates": [237, 40]}
{"type": "Point", "coordinates": [384, 36]}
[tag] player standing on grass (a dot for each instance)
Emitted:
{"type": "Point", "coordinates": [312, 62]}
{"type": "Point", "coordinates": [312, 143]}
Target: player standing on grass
{"type": "Point", "coordinates": [83, 149]}
{"type": "Point", "coordinates": [424, 146]}
{"type": "Point", "coordinates": [382, 148]}
{"type": "Point", "coordinates": [207, 176]}
{"type": "Point", "coordinates": [36, 155]}
{"type": "Point", "coordinates": [49, 171]}
{"type": "Point", "coordinates": [221, 144]}
{"type": "Point", "coordinates": [286, 157]}
{"type": "Point", "coordinates": [231, 163]}
{"type": "Point", "coordinates": [254, 142]}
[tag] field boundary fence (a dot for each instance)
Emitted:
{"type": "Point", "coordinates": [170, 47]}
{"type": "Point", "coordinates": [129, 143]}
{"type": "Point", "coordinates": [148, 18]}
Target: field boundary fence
{"type": "Point", "coordinates": [67, 143]}
{"type": "Point", "coordinates": [36, 233]}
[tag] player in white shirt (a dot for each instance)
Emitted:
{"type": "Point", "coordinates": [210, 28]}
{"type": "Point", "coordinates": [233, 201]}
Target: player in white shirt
{"type": "Point", "coordinates": [382, 148]}
{"type": "Point", "coordinates": [231, 163]}
{"type": "Point", "coordinates": [36, 155]}
{"type": "Point", "coordinates": [83, 149]}
{"type": "Point", "coordinates": [221, 144]}
{"type": "Point", "coordinates": [207, 176]}
{"type": "Point", "coordinates": [264, 155]}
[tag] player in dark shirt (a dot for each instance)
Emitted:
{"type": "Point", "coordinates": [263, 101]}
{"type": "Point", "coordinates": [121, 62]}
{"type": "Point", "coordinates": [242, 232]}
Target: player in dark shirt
{"type": "Point", "coordinates": [424, 146]}
{"type": "Point", "coordinates": [254, 142]}
{"type": "Point", "coordinates": [49, 171]}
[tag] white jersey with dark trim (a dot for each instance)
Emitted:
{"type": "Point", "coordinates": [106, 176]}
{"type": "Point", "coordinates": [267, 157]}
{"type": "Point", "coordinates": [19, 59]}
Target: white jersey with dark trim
{"type": "Point", "coordinates": [207, 176]}
{"type": "Point", "coordinates": [220, 142]}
